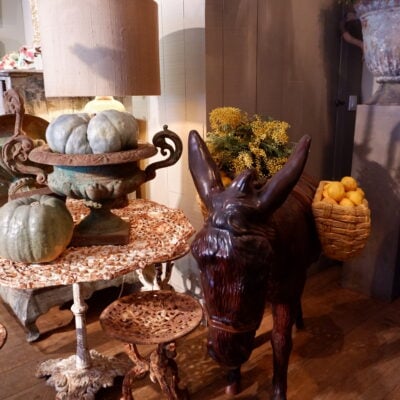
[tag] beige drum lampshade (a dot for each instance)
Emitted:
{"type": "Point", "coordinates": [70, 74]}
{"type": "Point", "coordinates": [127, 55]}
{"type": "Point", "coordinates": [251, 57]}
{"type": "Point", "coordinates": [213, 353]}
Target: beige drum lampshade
{"type": "Point", "coordinates": [99, 47]}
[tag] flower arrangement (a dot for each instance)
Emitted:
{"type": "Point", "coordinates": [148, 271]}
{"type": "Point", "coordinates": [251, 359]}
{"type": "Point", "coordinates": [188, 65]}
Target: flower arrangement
{"type": "Point", "coordinates": [238, 141]}
{"type": "Point", "coordinates": [25, 58]}
{"type": "Point", "coordinates": [9, 61]}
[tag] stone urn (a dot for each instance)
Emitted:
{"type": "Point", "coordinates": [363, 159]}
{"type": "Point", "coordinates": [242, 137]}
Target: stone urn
{"type": "Point", "coordinates": [380, 21]}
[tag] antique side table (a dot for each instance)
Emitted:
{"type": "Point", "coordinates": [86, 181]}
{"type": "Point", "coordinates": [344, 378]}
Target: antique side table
{"type": "Point", "coordinates": [158, 234]}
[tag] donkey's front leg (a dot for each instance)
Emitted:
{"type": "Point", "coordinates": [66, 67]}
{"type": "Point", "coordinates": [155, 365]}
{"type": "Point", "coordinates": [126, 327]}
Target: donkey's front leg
{"type": "Point", "coordinates": [283, 318]}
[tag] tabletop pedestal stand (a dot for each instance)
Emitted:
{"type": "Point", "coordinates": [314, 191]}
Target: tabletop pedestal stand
{"type": "Point", "coordinates": [80, 376]}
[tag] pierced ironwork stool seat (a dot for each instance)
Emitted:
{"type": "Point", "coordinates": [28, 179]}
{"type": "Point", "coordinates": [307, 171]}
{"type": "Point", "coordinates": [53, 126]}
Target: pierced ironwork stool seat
{"type": "Point", "coordinates": [153, 317]}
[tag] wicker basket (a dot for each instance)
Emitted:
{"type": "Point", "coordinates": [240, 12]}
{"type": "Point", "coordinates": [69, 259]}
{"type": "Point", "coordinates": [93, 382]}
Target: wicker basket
{"type": "Point", "coordinates": [342, 231]}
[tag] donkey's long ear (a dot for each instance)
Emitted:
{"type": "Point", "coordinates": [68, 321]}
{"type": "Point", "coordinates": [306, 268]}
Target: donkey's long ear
{"type": "Point", "coordinates": [277, 189]}
{"type": "Point", "coordinates": [205, 174]}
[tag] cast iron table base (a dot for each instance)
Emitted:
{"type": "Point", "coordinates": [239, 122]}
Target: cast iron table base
{"type": "Point", "coordinates": [81, 375]}
{"type": "Point", "coordinates": [74, 383]}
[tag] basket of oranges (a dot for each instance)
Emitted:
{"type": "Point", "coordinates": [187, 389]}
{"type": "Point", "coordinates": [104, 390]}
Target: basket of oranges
{"type": "Point", "coordinates": [342, 218]}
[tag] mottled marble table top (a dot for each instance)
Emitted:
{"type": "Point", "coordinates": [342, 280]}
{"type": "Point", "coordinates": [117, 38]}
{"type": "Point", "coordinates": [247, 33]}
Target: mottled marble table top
{"type": "Point", "coordinates": [158, 233]}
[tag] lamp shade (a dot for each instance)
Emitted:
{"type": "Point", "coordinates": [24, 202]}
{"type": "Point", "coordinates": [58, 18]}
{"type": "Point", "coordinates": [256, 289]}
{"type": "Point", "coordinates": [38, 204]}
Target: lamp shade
{"type": "Point", "coordinates": [99, 47]}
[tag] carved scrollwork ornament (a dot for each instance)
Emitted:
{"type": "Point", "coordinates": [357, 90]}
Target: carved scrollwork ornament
{"type": "Point", "coordinates": [13, 104]}
{"type": "Point", "coordinates": [16, 150]}
{"type": "Point", "coordinates": [174, 151]}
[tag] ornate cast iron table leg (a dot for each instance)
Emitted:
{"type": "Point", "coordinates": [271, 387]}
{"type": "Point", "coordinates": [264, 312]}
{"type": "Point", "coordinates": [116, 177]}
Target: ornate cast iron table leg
{"type": "Point", "coordinates": [81, 375]}
{"type": "Point", "coordinates": [161, 367]}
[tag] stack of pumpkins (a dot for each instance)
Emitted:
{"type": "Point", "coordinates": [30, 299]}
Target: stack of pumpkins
{"type": "Point", "coordinates": [38, 228]}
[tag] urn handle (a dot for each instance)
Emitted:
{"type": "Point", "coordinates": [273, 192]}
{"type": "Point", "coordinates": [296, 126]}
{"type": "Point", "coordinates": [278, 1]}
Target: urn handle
{"type": "Point", "coordinates": [174, 150]}
{"type": "Point", "coordinates": [15, 151]}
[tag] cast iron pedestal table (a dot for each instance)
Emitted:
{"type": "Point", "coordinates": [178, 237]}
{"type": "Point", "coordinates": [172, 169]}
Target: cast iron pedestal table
{"type": "Point", "coordinates": [158, 234]}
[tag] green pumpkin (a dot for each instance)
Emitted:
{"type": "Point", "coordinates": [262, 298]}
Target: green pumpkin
{"type": "Point", "coordinates": [67, 134]}
{"type": "Point", "coordinates": [106, 132]}
{"type": "Point", "coordinates": [34, 229]}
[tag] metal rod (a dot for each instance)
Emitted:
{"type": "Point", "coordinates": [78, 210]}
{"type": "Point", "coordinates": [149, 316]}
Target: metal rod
{"type": "Point", "coordinates": [79, 307]}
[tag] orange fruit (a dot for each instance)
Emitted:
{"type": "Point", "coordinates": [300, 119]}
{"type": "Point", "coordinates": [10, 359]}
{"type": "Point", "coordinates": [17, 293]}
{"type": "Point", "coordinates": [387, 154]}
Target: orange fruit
{"type": "Point", "coordinates": [329, 200]}
{"type": "Point", "coordinates": [355, 197]}
{"type": "Point", "coordinates": [349, 183]}
{"type": "Point", "coordinates": [346, 202]}
{"type": "Point", "coordinates": [226, 180]}
{"type": "Point", "coordinates": [335, 190]}
{"type": "Point", "coordinates": [361, 192]}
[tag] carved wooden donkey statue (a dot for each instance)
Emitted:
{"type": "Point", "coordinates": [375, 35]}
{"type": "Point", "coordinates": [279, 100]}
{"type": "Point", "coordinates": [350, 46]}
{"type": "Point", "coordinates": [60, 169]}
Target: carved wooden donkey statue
{"type": "Point", "coordinates": [255, 246]}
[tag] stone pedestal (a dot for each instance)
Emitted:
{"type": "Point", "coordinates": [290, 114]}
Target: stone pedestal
{"type": "Point", "coordinates": [376, 166]}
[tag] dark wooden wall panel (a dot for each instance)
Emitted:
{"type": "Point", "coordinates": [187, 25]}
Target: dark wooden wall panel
{"type": "Point", "coordinates": [279, 58]}
{"type": "Point", "coordinates": [214, 59]}
{"type": "Point", "coordinates": [240, 53]}
{"type": "Point", "coordinates": [231, 53]}
{"type": "Point", "coordinates": [271, 48]}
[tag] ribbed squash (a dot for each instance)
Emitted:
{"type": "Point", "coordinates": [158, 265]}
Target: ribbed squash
{"type": "Point", "coordinates": [111, 131]}
{"type": "Point", "coordinates": [106, 132]}
{"type": "Point", "coordinates": [68, 134]}
{"type": "Point", "coordinates": [34, 229]}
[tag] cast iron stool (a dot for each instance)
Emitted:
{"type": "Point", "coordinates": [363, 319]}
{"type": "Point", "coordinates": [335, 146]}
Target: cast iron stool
{"type": "Point", "coordinates": [152, 317]}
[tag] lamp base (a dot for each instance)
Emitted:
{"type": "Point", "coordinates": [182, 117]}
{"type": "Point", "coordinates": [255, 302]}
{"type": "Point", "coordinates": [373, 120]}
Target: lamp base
{"type": "Point", "coordinates": [102, 103]}
{"type": "Point", "coordinates": [101, 227]}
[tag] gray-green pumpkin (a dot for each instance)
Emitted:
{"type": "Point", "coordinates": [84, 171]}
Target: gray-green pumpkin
{"type": "Point", "coordinates": [106, 132]}
{"type": "Point", "coordinates": [34, 229]}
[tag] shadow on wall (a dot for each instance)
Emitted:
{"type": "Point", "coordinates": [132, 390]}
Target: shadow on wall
{"type": "Point", "coordinates": [381, 181]}
{"type": "Point", "coordinates": [182, 107]}
{"type": "Point", "coordinates": [384, 201]}
{"type": "Point", "coordinates": [186, 277]}
{"type": "Point", "coordinates": [182, 68]}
